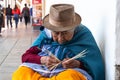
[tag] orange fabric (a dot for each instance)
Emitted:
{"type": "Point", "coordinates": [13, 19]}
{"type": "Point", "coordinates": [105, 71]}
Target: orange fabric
{"type": "Point", "coordinates": [25, 73]}
{"type": "Point", "coordinates": [69, 74]}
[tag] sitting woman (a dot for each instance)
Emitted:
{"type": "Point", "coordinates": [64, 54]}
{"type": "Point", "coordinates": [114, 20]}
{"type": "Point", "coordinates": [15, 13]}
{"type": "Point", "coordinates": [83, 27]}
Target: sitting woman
{"type": "Point", "coordinates": [64, 50]}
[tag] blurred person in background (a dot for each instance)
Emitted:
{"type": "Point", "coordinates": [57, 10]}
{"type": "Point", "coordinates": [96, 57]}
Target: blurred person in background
{"type": "Point", "coordinates": [16, 13]}
{"type": "Point", "coordinates": [26, 14]}
{"type": "Point", "coordinates": [1, 18]}
{"type": "Point", "coordinates": [9, 15]}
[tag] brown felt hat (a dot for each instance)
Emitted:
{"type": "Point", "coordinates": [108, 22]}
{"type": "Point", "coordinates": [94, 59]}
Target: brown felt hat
{"type": "Point", "coordinates": [61, 18]}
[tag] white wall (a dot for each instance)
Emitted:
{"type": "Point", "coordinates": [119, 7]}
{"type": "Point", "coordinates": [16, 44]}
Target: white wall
{"type": "Point", "coordinates": [99, 17]}
{"type": "Point", "coordinates": [2, 3]}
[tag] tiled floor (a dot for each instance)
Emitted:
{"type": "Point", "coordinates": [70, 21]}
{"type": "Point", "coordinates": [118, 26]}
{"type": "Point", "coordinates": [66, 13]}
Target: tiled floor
{"type": "Point", "coordinates": [13, 43]}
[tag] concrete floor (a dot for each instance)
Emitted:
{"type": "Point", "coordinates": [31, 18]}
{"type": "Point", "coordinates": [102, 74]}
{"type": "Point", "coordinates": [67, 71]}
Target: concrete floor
{"type": "Point", "coordinates": [13, 43]}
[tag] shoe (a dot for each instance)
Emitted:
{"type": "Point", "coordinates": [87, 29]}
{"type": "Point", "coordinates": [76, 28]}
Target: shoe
{"type": "Point", "coordinates": [11, 26]}
{"type": "Point", "coordinates": [16, 27]}
{"type": "Point", "coordinates": [7, 26]}
{"type": "Point", "coordinates": [0, 34]}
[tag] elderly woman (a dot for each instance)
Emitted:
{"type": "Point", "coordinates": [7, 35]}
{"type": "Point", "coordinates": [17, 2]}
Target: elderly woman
{"type": "Point", "coordinates": [51, 56]}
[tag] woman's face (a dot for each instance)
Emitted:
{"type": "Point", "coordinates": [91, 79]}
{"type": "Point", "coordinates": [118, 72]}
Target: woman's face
{"type": "Point", "coordinates": [62, 36]}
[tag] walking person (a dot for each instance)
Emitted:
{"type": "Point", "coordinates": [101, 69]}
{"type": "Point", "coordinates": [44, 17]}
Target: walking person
{"type": "Point", "coordinates": [1, 18]}
{"type": "Point", "coordinates": [31, 14]}
{"type": "Point", "coordinates": [9, 16]}
{"type": "Point", "coordinates": [26, 14]}
{"type": "Point", "coordinates": [16, 13]}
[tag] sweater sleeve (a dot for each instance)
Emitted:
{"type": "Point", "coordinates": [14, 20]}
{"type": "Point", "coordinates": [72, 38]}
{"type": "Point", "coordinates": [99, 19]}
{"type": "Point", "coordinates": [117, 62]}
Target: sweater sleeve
{"type": "Point", "coordinates": [31, 55]}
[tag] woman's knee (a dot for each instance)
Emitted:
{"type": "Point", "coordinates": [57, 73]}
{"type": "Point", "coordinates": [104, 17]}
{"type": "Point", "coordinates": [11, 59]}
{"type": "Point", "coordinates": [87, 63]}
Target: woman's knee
{"type": "Point", "coordinates": [22, 73]}
{"type": "Point", "coordinates": [71, 74]}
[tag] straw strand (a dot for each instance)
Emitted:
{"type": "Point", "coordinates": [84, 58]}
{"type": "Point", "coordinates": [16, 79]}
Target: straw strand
{"type": "Point", "coordinates": [81, 54]}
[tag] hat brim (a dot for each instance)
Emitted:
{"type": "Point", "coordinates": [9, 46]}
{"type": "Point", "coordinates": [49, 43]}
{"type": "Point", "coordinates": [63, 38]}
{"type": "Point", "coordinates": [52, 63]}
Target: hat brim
{"type": "Point", "coordinates": [76, 22]}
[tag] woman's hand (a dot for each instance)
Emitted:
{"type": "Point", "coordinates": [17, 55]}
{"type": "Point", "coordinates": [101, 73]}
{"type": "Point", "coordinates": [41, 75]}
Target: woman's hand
{"type": "Point", "coordinates": [49, 61]}
{"type": "Point", "coordinates": [70, 63]}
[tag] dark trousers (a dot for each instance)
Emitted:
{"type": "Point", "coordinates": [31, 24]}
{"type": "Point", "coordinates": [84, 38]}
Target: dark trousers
{"type": "Point", "coordinates": [20, 18]}
{"type": "Point", "coordinates": [9, 19]}
{"type": "Point", "coordinates": [1, 23]}
{"type": "Point", "coordinates": [0, 28]}
{"type": "Point", "coordinates": [26, 19]}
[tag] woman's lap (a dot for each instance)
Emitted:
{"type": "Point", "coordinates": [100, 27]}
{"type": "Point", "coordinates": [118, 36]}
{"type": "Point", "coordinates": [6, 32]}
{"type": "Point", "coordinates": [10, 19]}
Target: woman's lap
{"type": "Point", "coordinates": [25, 73]}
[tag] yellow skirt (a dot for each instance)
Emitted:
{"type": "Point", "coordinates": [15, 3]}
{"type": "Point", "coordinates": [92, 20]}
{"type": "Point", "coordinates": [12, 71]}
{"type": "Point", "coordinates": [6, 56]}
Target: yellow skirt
{"type": "Point", "coordinates": [25, 73]}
